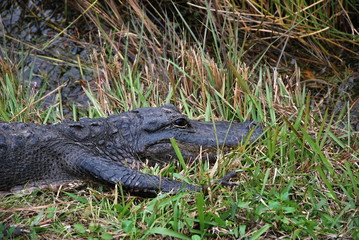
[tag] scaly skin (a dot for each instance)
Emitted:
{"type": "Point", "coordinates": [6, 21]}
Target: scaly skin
{"type": "Point", "coordinates": [109, 150]}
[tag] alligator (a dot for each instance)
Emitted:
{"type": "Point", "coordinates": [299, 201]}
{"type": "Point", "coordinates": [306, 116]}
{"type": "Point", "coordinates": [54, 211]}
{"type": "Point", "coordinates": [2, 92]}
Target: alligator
{"type": "Point", "coordinates": [110, 150]}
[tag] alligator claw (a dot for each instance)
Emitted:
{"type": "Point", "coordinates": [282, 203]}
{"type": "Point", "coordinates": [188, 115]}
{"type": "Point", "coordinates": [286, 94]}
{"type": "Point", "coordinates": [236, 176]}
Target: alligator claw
{"type": "Point", "coordinates": [225, 180]}
{"type": "Point", "coordinates": [9, 231]}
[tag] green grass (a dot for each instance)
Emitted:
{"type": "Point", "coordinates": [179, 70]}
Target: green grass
{"type": "Point", "coordinates": [299, 182]}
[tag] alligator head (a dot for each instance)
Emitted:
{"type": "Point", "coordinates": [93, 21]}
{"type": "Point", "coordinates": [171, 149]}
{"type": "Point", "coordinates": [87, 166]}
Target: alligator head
{"type": "Point", "coordinates": [155, 127]}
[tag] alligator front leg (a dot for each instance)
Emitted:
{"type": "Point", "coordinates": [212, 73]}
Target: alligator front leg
{"type": "Point", "coordinates": [112, 172]}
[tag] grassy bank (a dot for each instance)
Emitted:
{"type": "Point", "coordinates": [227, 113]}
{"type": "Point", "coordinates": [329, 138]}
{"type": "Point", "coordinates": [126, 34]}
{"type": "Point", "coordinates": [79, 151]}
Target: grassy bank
{"type": "Point", "coordinates": [299, 182]}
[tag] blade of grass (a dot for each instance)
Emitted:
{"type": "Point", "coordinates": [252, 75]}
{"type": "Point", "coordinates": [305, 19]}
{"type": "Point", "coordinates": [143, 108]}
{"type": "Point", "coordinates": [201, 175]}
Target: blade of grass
{"type": "Point", "coordinates": [178, 153]}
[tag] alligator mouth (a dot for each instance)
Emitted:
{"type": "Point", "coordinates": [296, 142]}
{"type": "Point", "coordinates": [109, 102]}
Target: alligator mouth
{"type": "Point", "coordinates": [164, 151]}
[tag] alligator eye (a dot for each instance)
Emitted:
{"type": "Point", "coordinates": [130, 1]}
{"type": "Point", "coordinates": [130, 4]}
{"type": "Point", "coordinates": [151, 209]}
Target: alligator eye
{"type": "Point", "coordinates": [180, 122]}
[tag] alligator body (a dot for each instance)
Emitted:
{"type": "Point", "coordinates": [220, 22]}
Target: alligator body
{"type": "Point", "coordinates": [109, 150]}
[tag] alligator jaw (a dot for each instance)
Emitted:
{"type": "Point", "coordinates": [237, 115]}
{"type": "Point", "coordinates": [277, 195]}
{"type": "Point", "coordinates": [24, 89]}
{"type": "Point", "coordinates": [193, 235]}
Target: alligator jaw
{"type": "Point", "coordinates": [163, 151]}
